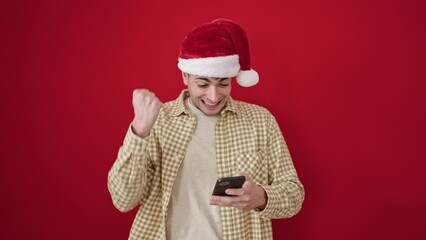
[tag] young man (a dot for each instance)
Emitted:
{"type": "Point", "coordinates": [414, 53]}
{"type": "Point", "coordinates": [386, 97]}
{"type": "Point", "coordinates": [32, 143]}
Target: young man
{"type": "Point", "coordinates": [174, 152]}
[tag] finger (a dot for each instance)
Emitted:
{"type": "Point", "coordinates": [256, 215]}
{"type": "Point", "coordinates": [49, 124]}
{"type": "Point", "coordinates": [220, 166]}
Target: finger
{"type": "Point", "coordinates": [224, 201]}
{"type": "Point", "coordinates": [241, 205]}
{"type": "Point", "coordinates": [215, 200]}
{"type": "Point", "coordinates": [235, 191]}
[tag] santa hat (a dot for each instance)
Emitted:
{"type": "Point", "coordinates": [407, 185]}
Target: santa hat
{"type": "Point", "coordinates": [218, 49]}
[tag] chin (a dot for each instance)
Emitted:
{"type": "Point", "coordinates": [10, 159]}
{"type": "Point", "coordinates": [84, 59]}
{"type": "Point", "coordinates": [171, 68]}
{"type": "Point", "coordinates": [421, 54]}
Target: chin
{"type": "Point", "coordinates": [210, 112]}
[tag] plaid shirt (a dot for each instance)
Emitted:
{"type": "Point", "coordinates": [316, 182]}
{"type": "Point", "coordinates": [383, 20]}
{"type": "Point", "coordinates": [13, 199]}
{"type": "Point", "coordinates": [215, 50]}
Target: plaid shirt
{"type": "Point", "coordinates": [248, 139]}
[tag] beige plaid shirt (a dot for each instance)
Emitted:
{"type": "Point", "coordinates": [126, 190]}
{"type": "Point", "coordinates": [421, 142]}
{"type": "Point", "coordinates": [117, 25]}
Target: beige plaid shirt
{"type": "Point", "coordinates": [248, 139]}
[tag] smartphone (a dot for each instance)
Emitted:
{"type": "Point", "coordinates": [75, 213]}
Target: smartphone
{"type": "Point", "coordinates": [229, 182]}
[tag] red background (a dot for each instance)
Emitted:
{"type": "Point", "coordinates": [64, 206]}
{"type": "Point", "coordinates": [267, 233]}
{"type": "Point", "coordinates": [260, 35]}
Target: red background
{"type": "Point", "coordinates": [345, 80]}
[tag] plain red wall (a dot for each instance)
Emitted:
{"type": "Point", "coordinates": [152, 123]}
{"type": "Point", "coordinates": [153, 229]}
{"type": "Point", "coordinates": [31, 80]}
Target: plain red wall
{"type": "Point", "coordinates": [344, 78]}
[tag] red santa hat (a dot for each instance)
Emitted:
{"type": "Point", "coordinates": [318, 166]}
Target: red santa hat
{"type": "Point", "coordinates": [218, 49]}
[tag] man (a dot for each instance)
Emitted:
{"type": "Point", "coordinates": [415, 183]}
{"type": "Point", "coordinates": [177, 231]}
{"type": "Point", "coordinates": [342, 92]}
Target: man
{"type": "Point", "coordinates": [174, 152]}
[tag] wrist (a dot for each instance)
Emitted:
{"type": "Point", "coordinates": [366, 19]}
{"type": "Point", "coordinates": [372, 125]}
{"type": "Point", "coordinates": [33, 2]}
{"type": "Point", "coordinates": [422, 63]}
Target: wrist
{"type": "Point", "coordinates": [139, 131]}
{"type": "Point", "coordinates": [263, 197]}
{"type": "Point", "coordinates": [141, 127]}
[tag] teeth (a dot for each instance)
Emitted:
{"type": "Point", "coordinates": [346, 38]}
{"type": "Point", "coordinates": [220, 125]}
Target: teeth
{"type": "Point", "coordinates": [210, 104]}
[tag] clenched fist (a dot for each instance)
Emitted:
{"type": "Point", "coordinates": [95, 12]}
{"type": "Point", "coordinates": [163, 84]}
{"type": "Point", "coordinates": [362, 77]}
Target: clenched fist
{"type": "Point", "coordinates": [146, 106]}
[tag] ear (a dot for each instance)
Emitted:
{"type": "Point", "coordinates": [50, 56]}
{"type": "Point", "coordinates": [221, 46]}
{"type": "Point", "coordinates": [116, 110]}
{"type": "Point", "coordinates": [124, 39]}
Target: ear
{"type": "Point", "coordinates": [185, 77]}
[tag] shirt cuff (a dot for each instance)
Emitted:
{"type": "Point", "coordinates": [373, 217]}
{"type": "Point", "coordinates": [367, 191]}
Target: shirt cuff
{"type": "Point", "coordinates": [268, 211]}
{"type": "Point", "coordinates": [134, 143]}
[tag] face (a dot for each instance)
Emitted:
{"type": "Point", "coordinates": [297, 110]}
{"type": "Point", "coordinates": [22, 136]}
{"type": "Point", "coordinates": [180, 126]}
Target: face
{"type": "Point", "coordinates": [208, 94]}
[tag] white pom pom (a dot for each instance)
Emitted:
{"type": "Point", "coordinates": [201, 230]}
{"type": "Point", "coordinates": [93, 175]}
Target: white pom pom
{"type": "Point", "coordinates": [247, 78]}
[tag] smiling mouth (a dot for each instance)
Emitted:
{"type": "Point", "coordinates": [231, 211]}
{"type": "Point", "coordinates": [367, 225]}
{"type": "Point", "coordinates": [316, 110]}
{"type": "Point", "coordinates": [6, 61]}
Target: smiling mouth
{"type": "Point", "coordinates": [211, 104]}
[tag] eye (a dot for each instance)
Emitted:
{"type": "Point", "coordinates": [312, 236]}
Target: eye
{"type": "Point", "coordinates": [224, 84]}
{"type": "Point", "coordinates": [202, 85]}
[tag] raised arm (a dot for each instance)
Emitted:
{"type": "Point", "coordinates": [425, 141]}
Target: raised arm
{"type": "Point", "coordinates": [131, 174]}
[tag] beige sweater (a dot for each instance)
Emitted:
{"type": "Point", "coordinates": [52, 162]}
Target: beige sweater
{"type": "Point", "coordinates": [190, 216]}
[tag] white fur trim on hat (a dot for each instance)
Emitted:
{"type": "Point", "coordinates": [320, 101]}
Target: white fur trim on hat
{"type": "Point", "coordinates": [221, 67]}
{"type": "Point", "coordinates": [247, 78]}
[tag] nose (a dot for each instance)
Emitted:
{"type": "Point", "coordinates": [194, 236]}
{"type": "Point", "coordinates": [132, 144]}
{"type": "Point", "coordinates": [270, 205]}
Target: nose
{"type": "Point", "coordinates": [213, 94]}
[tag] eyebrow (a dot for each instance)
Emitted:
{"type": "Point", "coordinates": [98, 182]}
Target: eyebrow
{"type": "Point", "coordinates": [208, 80]}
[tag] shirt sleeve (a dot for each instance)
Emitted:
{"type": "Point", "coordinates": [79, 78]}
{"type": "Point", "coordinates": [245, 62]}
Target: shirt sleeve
{"type": "Point", "coordinates": [284, 190]}
{"type": "Point", "coordinates": [128, 179]}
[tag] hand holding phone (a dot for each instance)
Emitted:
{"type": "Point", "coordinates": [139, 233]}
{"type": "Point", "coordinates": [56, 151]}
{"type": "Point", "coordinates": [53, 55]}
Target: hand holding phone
{"type": "Point", "coordinates": [229, 182]}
